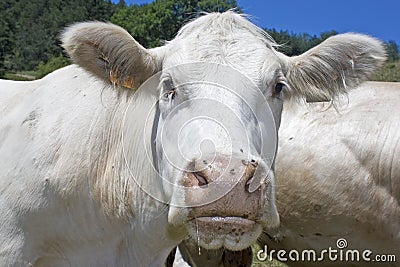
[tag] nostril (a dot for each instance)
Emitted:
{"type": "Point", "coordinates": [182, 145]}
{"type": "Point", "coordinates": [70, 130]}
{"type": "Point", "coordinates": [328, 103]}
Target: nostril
{"type": "Point", "coordinates": [249, 181]}
{"type": "Point", "coordinates": [200, 178]}
{"type": "Point", "coordinates": [254, 163]}
{"type": "Point", "coordinates": [249, 175]}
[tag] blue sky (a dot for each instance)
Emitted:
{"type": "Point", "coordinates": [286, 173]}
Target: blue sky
{"type": "Point", "coordinates": [377, 18]}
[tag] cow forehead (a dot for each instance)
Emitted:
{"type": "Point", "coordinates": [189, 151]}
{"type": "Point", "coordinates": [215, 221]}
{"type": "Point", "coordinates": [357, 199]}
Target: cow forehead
{"type": "Point", "coordinates": [221, 26]}
{"type": "Point", "coordinates": [226, 38]}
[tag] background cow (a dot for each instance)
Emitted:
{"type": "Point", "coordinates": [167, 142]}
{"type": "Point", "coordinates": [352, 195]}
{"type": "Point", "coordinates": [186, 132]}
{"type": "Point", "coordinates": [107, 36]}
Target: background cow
{"type": "Point", "coordinates": [76, 187]}
{"type": "Point", "coordinates": [338, 177]}
{"type": "Point", "coordinates": [340, 174]}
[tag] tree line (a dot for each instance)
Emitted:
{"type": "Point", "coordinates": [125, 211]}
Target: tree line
{"type": "Point", "coordinates": [29, 29]}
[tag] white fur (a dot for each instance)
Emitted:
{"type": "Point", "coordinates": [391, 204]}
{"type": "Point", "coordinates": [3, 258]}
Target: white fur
{"type": "Point", "coordinates": [66, 197]}
{"type": "Point", "coordinates": [63, 174]}
{"type": "Point", "coordinates": [339, 174]}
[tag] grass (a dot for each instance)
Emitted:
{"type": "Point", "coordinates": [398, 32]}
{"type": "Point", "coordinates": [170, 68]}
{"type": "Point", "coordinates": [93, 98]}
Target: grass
{"type": "Point", "coordinates": [389, 72]}
{"type": "Point", "coordinates": [40, 71]}
{"type": "Point", "coordinates": [18, 76]}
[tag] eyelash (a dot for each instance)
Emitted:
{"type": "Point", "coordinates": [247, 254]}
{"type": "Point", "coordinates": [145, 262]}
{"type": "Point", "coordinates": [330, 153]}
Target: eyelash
{"type": "Point", "coordinates": [170, 89]}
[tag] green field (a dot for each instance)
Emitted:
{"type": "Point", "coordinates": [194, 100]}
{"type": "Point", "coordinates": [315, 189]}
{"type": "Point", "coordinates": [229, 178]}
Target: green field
{"type": "Point", "coordinates": [389, 72]}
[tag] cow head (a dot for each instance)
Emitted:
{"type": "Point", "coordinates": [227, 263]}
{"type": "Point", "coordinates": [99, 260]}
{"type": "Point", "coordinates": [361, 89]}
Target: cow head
{"type": "Point", "coordinates": [220, 86]}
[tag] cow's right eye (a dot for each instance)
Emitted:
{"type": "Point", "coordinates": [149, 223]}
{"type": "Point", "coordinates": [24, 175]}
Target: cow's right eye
{"type": "Point", "coordinates": [278, 88]}
{"type": "Point", "coordinates": [169, 89]}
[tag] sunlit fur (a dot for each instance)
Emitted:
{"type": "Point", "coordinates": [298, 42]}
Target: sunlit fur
{"type": "Point", "coordinates": [105, 50]}
{"type": "Point", "coordinates": [65, 194]}
{"type": "Point", "coordinates": [340, 63]}
{"type": "Point", "coordinates": [339, 175]}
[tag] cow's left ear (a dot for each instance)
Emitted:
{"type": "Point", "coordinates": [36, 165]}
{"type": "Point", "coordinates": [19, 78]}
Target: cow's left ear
{"type": "Point", "coordinates": [109, 52]}
{"type": "Point", "coordinates": [338, 64]}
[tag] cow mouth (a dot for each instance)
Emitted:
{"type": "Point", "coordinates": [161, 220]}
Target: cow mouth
{"type": "Point", "coordinates": [233, 233]}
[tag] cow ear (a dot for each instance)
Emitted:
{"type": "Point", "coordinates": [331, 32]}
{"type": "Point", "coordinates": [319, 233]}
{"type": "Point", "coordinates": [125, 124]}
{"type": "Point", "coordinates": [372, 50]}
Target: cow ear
{"type": "Point", "coordinates": [109, 52]}
{"type": "Point", "coordinates": [338, 64]}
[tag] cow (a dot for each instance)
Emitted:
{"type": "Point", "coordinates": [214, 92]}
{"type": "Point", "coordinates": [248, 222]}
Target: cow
{"type": "Point", "coordinates": [115, 159]}
{"type": "Point", "coordinates": [338, 182]}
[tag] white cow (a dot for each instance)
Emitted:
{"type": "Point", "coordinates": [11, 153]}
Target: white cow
{"type": "Point", "coordinates": [338, 177]}
{"type": "Point", "coordinates": [78, 189]}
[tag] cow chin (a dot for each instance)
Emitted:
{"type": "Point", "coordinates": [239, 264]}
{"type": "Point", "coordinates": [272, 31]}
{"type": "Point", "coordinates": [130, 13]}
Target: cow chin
{"type": "Point", "coordinates": [233, 233]}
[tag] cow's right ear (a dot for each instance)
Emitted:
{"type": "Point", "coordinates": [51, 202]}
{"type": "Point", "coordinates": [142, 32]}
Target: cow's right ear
{"type": "Point", "coordinates": [340, 63]}
{"type": "Point", "coordinates": [110, 53]}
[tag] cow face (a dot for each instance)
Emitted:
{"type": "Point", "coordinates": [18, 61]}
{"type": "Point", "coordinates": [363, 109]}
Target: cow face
{"type": "Point", "coordinates": [219, 87]}
{"type": "Point", "coordinates": [215, 146]}
{"type": "Point", "coordinates": [219, 114]}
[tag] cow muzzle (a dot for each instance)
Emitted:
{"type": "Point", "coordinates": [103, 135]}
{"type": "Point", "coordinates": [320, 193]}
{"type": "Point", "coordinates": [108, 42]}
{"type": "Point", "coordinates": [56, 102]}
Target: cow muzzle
{"type": "Point", "coordinates": [226, 199]}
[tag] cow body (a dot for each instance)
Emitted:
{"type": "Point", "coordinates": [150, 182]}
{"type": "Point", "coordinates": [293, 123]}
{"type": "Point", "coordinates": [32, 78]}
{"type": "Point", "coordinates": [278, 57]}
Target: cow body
{"type": "Point", "coordinates": [62, 181]}
{"type": "Point", "coordinates": [339, 174]}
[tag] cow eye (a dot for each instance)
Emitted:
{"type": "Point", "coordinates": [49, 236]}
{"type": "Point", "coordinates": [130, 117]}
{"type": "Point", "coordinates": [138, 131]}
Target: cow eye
{"type": "Point", "coordinates": [169, 89]}
{"type": "Point", "coordinates": [278, 88]}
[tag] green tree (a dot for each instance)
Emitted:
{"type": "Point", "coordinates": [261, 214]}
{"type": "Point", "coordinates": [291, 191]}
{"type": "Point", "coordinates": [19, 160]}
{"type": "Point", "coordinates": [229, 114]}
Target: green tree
{"type": "Point", "coordinates": [392, 51]}
{"type": "Point", "coordinates": [152, 24]}
{"type": "Point", "coordinates": [6, 32]}
{"type": "Point", "coordinates": [53, 64]}
{"type": "Point", "coordinates": [35, 25]}
{"type": "Point", "coordinates": [293, 44]}
{"type": "Point", "coordinates": [121, 4]}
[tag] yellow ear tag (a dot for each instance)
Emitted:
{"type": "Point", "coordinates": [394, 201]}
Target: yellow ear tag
{"type": "Point", "coordinates": [127, 82]}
